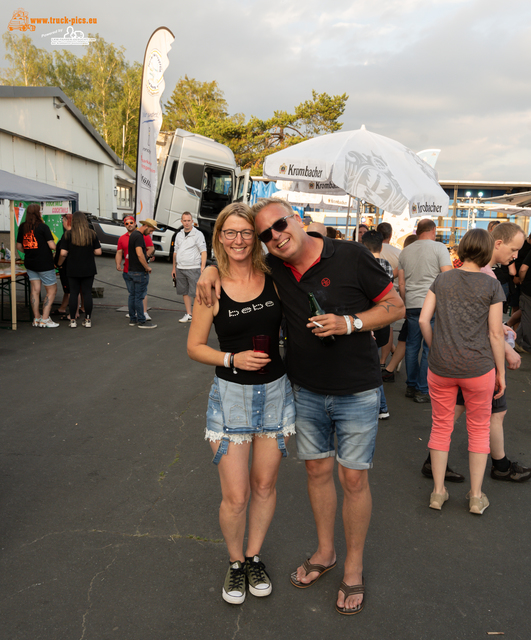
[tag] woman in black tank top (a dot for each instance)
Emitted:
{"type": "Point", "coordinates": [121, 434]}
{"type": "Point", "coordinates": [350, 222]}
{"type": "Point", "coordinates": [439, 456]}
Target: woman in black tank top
{"type": "Point", "coordinates": [250, 401]}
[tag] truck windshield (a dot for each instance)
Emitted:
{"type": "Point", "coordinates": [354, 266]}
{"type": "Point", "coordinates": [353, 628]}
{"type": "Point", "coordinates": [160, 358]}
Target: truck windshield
{"type": "Point", "coordinates": [217, 191]}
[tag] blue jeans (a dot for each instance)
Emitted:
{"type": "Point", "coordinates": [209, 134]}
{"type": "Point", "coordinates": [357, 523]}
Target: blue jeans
{"type": "Point", "coordinates": [352, 418]}
{"type": "Point", "coordinates": [137, 287]}
{"type": "Point", "coordinates": [383, 401]}
{"type": "Point", "coordinates": [417, 374]}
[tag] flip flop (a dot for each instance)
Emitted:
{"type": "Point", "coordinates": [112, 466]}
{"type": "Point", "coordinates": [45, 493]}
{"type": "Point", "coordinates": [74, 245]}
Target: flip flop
{"type": "Point", "coordinates": [352, 590]}
{"type": "Point", "coordinates": [308, 568]}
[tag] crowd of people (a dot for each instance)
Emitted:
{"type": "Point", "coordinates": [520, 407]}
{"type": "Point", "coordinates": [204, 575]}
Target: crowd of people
{"type": "Point", "coordinates": [337, 301]}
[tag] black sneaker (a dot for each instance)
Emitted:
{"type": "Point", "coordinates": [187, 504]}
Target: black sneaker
{"type": "Point", "coordinates": [133, 323]}
{"type": "Point", "coordinates": [449, 476]}
{"type": "Point", "coordinates": [410, 392]}
{"type": "Point", "coordinates": [147, 325]}
{"type": "Point", "coordinates": [515, 473]}
{"type": "Point", "coordinates": [235, 582]}
{"type": "Point", "coordinates": [388, 376]}
{"type": "Point", "coordinates": [257, 578]}
{"type": "Point", "coordinates": [422, 397]}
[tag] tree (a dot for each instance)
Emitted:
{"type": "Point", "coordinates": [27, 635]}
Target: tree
{"type": "Point", "coordinates": [200, 107]}
{"type": "Point", "coordinates": [103, 67]}
{"type": "Point", "coordinates": [102, 85]}
{"type": "Point", "coordinates": [311, 118]}
{"type": "Point", "coordinates": [30, 66]}
{"type": "Point", "coordinates": [193, 104]}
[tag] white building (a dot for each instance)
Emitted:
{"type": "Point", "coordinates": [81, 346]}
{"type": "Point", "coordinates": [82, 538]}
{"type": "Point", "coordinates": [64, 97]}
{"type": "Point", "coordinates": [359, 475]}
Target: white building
{"type": "Point", "coordinates": [44, 137]}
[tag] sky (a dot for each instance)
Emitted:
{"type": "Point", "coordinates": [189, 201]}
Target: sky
{"type": "Point", "coordinates": [445, 74]}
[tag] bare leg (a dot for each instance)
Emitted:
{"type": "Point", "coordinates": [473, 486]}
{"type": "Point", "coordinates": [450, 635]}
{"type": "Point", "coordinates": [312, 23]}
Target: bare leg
{"type": "Point", "coordinates": [439, 460]}
{"type": "Point", "coordinates": [264, 473]}
{"type": "Point", "coordinates": [497, 448]}
{"type": "Point", "coordinates": [35, 297]}
{"type": "Point", "coordinates": [145, 305]}
{"type": "Point", "coordinates": [398, 356]}
{"type": "Point", "coordinates": [477, 462]}
{"type": "Point", "coordinates": [48, 301]}
{"type": "Point", "coordinates": [235, 489]}
{"type": "Point", "coordinates": [188, 304]}
{"type": "Point", "coordinates": [357, 508]}
{"type": "Point", "coordinates": [323, 498]}
{"type": "Point", "coordinates": [63, 307]}
{"type": "Point", "coordinates": [514, 320]}
{"type": "Point", "coordinates": [386, 349]}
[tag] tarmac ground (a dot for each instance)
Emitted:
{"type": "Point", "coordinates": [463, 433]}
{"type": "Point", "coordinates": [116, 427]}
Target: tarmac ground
{"type": "Point", "coordinates": [109, 503]}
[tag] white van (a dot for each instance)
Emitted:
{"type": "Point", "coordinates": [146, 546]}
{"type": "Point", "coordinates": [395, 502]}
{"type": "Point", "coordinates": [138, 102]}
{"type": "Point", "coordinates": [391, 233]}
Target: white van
{"type": "Point", "coordinates": [198, 175]}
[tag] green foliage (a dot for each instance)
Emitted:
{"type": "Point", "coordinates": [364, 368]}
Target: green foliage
{"type": "Point", "coordinates": [102, 85]}
{"type": "Point", "coordinates": [29, 66]}
{"type": "Point", "coordinates": [105, 87]}
{"type": "Point", "coordinates": [192, 104]}
{"type": "Point", "coordinates": [200, 107]}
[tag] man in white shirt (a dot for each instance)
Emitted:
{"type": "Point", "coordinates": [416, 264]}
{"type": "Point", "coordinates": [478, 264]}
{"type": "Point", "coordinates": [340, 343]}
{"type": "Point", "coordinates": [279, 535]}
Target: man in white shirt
{"type": "Point", "coordinates": [189, 260]}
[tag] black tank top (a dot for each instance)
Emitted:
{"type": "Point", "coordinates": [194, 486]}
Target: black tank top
{"type": "Point", "coordinates": [237, 322]}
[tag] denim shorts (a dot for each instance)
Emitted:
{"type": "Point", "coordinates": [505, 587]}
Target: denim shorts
{"type": "Point", "coordinates": [239, 412]}
{"type": "Point", "coordinates": [48, 278]}
{"type": "Point", "coordinates": [352, 418]}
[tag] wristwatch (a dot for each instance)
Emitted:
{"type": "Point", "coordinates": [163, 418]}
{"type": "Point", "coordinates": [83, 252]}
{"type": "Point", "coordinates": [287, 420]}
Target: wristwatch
{"type": "Point", "coordinates": [358, 323]}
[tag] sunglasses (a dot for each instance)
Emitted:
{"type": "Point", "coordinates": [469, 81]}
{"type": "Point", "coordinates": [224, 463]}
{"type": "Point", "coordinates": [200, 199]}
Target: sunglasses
{"type": "Point", "coordinates": [278, 226]}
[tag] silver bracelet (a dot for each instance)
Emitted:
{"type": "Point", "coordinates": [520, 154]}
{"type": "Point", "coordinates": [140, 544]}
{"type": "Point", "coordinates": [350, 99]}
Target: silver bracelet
{"type": "Point", "coordinates": [349, 325]}
{"type": "Point", "coordinates": [226, 360]}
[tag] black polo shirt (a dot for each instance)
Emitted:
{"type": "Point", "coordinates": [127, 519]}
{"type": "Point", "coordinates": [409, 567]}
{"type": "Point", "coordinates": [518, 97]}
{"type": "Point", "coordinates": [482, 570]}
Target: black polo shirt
{"type": "Point", "coordinates": [346, 280]}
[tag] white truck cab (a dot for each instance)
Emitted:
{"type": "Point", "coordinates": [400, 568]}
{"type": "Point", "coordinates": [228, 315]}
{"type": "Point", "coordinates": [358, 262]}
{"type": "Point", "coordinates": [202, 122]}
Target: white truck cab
{"type": "Point", "coordinates": [198, 175]}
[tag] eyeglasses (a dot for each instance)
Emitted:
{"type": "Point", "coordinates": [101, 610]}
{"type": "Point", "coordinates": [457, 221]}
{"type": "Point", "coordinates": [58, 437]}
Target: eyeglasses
{"type": "Point", "coordinates": [246, 234]}
{"type": "Point", "coordinates": [129, 222]}
{"type": "Point", "coordinates": [277, 226]}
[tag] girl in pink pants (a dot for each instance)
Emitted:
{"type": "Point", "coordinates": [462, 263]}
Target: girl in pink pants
{"type": "Point", "coordinates": [467, 351]}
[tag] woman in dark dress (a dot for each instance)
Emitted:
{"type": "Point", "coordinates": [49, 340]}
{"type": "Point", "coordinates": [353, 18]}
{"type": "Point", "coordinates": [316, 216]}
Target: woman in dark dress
{"type": "Point", "coordinates": [80, 245]}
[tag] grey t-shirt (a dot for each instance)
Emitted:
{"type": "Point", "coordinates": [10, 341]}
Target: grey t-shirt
{"type": "Point", "coordinates": [461, 347]}
{"type": "Point", "coordinates": [422, 262]}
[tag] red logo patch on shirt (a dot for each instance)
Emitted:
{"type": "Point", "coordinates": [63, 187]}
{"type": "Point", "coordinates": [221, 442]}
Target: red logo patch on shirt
{"type": "Point", "coordinates": [325, 282]}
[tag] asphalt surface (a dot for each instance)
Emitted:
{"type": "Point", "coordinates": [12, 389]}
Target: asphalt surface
{"type": "Point", "coordinates": [109, 503]}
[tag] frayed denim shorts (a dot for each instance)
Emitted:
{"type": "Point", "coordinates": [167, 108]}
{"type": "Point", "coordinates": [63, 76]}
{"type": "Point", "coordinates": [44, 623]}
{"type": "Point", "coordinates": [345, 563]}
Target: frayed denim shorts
{"type": "Point", "coordinates": [239, 412]}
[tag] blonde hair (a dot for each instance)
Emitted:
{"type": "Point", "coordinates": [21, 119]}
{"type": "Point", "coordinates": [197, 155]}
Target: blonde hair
{"type": "Point", "coordinates": [258, 257]}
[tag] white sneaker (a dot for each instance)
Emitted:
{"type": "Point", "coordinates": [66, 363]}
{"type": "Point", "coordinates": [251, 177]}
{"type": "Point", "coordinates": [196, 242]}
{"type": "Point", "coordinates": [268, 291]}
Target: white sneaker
{"type": "Point", "coordinates": [186, 318]}
{"type": "Point", "coordinates": [127, 315]}
{"type": "Point", "coordinates": [73, 324]}
{"type": "Point", "coordinates": [48, 323]}
{"type": "Point", "coordinates": [37, 322]}
{"type": "Point", "coordinates": [87, 323]}
{"type": "Point", "coordinates": [148, 317]}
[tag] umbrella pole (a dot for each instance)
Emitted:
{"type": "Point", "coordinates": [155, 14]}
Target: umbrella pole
{"type": "Point", "coordinates": [358, 212]}
{"type": "Point", "coordinates": [348, 217]}
{"type": "Point", "coordinates": [12, 248]}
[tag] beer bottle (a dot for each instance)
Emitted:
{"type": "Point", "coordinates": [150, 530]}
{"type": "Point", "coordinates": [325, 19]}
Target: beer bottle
{"type": "Point", "coordinates": [316, 310]}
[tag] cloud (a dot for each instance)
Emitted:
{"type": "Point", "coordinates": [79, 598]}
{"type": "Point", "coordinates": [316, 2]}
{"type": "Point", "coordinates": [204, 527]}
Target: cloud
{"type": "Point", "coordinates": [450, 74]}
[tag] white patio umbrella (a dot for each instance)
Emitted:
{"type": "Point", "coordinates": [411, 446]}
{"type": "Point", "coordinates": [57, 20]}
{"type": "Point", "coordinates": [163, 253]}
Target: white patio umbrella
{"type": "Point", "coordinates": [366, 166]}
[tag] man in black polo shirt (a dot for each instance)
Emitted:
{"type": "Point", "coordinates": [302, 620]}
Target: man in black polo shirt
{"type": "Point", "coordinates": [336, 387]}
{"type": "Point", "coordinates": [139, 271]}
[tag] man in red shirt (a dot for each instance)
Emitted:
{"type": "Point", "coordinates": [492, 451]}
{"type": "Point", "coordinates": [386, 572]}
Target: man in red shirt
{"type": "Point", "coordinates": [122, 253]}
